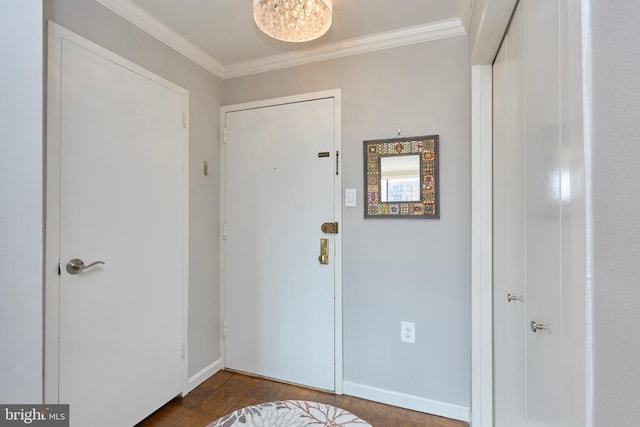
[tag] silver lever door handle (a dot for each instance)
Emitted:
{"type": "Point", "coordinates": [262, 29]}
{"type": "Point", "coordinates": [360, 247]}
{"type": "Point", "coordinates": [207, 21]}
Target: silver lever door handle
{"type": "Point", "coordinates": [535, 326]}
{"type": "Point", "coordinates": [76, 266]}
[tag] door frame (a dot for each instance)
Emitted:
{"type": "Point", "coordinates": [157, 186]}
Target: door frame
{"type": "Point", "coordinates": [336, 94]}
{"type": "Point", "coordinates": [482, 245]}
{"type": "Point", "coordinates": [490, 22]}
{"type": "Point", "coordinates": [56, 34]}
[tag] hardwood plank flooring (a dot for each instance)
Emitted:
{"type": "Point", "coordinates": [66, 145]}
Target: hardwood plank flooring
{"type": "Point", "coordinates": [227, 391]}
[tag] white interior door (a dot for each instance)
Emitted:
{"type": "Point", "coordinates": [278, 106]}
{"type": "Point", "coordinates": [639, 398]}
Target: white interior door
{"type": "Point", "coordinates": [280, 188]}
{"type": "Point", "coordinates": [509, 230]}
{"type": "Point", "coordinates": [528, 361]}
{"type": "Point", "coordinates": [122, 192]}
{"type": "Point", "coordinates": [544, 205]}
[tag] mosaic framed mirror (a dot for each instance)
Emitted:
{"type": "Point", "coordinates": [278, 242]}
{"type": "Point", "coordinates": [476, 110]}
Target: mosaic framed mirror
{"type": "Point", "coordinates": [401, 178]}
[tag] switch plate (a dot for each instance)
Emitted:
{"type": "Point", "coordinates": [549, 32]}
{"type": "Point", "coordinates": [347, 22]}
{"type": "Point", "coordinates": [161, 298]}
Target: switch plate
{"type": "Point", "coordinates": [350, 196]}
{"type": "Point", "coordinates": [408, 332]}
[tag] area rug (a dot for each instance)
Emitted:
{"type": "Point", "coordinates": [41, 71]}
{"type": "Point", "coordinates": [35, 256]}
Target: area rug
{"type": "Point", "coordinates": [290, 413]}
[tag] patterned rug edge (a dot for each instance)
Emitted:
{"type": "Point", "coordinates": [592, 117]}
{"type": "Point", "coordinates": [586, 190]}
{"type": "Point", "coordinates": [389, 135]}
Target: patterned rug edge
{"type": "Point", "coordinates": [290, 413]}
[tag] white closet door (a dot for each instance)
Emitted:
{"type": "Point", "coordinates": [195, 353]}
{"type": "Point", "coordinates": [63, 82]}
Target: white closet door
{"type": "Point", "coordinates": [509, 229]}
{"type": "Point", "coordinates": [528, 364]}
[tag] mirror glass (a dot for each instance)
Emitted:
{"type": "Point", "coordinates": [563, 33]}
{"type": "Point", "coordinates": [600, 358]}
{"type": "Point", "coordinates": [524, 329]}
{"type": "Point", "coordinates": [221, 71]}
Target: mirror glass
{"type": "Point", "coordinates": [400, 178]}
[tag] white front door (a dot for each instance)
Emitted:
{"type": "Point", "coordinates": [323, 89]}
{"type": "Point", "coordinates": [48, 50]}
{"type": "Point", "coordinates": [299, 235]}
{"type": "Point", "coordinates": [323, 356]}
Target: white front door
{"type": "Point", "coordinates": [281, 178]}
{"type": "Point", "coordinates": [118, 196]}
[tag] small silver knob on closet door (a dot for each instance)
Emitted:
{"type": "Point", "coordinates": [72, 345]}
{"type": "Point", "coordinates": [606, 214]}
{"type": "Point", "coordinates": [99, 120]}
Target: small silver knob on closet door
{"type": "Point", "coordinates": [535, 326]}
{"type": "Point", "coordinates": [512, 298]}
{"type": "Point", "coordinates": [76, 266]}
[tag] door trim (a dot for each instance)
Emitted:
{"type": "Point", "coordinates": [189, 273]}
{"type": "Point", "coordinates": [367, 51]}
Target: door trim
{"type": "Point", "coordinates": [482, 245]}
{"type": "Point", "coordinates": [56, 34]}
{"type": "Point", "coordinates": [337, 95]}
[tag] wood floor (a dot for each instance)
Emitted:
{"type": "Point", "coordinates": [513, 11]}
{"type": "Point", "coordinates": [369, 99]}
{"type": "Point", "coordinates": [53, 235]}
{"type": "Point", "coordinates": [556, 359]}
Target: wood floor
{"type": "Point", "coordinates": [226, 391]}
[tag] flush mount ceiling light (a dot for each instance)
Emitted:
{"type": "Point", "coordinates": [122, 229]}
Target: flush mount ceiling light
{"type": "Point", "coordinates": [293, 20]}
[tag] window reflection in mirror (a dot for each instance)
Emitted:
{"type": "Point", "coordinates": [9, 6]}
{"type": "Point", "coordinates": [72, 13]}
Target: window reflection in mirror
{"type": "Point", "coordinates": [400, 178]}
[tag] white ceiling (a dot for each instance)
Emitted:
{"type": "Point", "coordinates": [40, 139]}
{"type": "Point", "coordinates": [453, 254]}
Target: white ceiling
{"type": "Point", "coordinates": [223, 35]}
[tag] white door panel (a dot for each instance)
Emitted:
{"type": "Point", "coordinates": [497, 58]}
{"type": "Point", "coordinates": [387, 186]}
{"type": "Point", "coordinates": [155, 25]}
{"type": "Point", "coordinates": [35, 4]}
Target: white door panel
{"type": "Point", "coordinates": [543, 156]}
{"type": "Point", "coordinates": [122, 201]}
{"type": "Point", "coordinates": [279, 298]}
{"type": "Point", "coordinates": [509, 232]}
{"type": "Point", "coordinates": [527, 220]}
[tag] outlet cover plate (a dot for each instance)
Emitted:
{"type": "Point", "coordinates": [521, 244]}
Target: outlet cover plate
{"type": "Point", "coordinates": [408, 332]}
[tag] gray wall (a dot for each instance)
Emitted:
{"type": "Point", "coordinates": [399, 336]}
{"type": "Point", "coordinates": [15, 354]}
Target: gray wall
{"type": "Point", "coordinates": [616, 212]}
{"type": "Point", "coordinates": [21, 203]}
{"type": "Point", "coordinates": [416, 270]}
{"type": "Point", "coordinates": [98, 24]}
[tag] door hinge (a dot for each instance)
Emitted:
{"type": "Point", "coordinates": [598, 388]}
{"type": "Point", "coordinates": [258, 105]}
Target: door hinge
{"type": "Point", "coordinates": [225, 137]}
{"type": "Point", "coordinates": [337, 162]}
{"type": "Point", "coordinates": [224, 231]}
{"type": "Point", "coordinates": [224, 328]}
{"type": "Point", "coordinates": [185, 120]}
{"type": "Point", "coordinates": [59, 270]}
{"type": "Point", "coordinates": [184, 351]}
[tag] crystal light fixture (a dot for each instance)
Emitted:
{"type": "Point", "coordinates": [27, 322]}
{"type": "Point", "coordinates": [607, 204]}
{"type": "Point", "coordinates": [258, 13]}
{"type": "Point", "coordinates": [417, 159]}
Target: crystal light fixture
{"type": "Point", "coordinates": [293, 20]}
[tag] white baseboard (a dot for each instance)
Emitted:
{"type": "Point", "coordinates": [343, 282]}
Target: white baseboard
{"type": "Point", "coordinates": [448, 410]}
{"type": "Point", "coordinates": [205, 374]}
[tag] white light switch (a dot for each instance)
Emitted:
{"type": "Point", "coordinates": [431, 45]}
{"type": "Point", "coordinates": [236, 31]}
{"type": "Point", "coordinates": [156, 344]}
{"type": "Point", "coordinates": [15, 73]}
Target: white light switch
{"type": "Point", "coordinates": [350, 198]}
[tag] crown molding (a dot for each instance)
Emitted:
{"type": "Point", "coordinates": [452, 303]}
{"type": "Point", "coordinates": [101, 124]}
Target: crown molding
{"type": "Point", "coordinates": [386, 40]}
{"type": "Point", "coordinates": [138, 17]}
{"type": "Point", "coordinates": [417, 34]}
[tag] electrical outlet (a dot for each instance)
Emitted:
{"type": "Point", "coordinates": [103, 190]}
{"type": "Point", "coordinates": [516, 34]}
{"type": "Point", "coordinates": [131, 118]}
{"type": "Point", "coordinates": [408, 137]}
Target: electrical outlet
{"type": "Point", "coordinates": [408, 332]}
